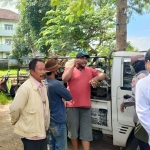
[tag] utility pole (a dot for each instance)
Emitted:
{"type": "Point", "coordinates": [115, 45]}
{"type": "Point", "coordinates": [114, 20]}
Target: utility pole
{"type": "Point", "coordinates": [121, 25]}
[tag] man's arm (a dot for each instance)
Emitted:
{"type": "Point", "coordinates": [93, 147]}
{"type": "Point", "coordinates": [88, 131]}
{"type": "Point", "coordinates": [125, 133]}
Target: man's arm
{"type": "Point", "coordinates": [95, 80]}
{"type": "Point", "coordinates": [67, 74]}
{"type": "Point", "coordinates": [63, 92]}
{"type": "Point", "coordinates": [17, 105]}
{"type": "Point", "coordinates": [127, 103]}
{"type": "Point", "coordinates": [143, 107]}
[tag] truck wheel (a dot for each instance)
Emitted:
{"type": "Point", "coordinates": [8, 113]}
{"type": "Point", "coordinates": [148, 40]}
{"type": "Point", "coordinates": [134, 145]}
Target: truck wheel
{"type": "Point", "coordinates": [97, 134]}
{"type": "Point", "coordinates": [133, 145]}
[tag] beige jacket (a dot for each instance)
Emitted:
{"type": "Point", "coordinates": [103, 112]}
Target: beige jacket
{"type": "Point", "coordinates": [26, 111]}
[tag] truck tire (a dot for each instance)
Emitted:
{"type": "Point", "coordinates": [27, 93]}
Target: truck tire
{"type": "Point", "coordinates": [97, 135]}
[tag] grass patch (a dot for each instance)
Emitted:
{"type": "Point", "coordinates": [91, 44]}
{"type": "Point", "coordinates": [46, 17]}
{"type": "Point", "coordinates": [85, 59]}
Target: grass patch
{"type": "Point", "coordinates": [11, 72]}
{"type": "Point", "coordinates": [4, 99]}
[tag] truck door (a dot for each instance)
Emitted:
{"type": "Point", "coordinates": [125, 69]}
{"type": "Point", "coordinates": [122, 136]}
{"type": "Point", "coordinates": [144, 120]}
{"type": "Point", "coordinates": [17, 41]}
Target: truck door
{"type": "Point", "coordinates": [127, 73]}
{"type": "Point", "coordinates": [101, 114]}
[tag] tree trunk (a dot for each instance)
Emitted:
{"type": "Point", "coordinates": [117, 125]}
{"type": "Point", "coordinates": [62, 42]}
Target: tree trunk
{"type": "Point", "coordinates": [121, 25]}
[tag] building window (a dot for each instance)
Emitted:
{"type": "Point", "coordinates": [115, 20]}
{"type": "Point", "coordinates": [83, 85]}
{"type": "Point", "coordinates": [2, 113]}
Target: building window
{"type": "Point", "coordinates": [8, 27]}
{"type": "Point", "coordinates": [8, 41]}
{"type": "Point", "coordinates": [7, 55]}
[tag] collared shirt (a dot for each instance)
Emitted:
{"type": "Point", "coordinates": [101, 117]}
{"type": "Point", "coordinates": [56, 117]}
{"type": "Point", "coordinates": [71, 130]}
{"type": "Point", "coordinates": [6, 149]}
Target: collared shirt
{"type": "Point", "coordinates": [40, 86]}
{"type": "Point", "coordinates": [142, 96]}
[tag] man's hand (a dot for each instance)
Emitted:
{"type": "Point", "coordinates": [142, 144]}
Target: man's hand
{"type": "Point", "coordinates": [93, 82]}
{"type": "Point", "coordinates": [77, 62]}
{"type": "Point", "coordinates": [64, 101]}
{"type": "Point", "coordinates": [13, 123]}
{"type": "Point", "coordinates": [122, 108]}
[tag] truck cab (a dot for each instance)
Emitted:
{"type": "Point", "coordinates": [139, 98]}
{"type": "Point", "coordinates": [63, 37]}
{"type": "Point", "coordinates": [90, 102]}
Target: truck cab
{"type": "Point", "coordinates": [106, 114]}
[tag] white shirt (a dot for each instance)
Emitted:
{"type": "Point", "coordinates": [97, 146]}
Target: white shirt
{"type": "Point", "coordinates": [142, 96]}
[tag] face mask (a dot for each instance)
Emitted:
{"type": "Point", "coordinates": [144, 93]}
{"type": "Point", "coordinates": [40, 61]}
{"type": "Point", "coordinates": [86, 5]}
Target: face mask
{"type": "Point", "coordinates": [57, 75]}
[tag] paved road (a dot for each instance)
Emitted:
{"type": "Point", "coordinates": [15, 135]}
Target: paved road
{"type": "Point", "coordinates": [104, 144]}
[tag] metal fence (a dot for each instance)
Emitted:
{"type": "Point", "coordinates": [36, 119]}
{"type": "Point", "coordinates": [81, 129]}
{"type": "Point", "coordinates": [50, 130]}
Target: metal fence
{"type": "Point", "coordinates": [3, 63]}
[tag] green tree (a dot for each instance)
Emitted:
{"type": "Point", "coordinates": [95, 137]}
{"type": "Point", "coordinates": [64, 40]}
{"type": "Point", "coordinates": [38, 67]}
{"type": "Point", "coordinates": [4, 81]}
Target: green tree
{"type": "Point", "coordinates": [124, 8]}
{"type": "Point", "coordinates": [77, 7]}
{"type": "Point", "coordinates": [20, 46]}
{"type": "Point", "coordinates": [66, 36]}
{"type": "Point", "coordinates": [31, 14]}
{"type": "Point", "coordinates": [131, 48]}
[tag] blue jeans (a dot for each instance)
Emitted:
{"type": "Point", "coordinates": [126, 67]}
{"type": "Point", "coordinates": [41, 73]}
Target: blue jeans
{"type": "Point", "coordinates": [58, 136]}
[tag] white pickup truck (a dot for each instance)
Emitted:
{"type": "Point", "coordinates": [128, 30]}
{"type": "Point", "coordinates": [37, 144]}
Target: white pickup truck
{"type": "Point", "coordinates": [106, 115]}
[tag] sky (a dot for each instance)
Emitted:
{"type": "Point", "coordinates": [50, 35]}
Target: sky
{"type": "Point", "coordinates": [10, 7]}
{"type": "Point", "coordinates": [138, 32]}
{"type": "Point", "coordinates": [138, 29]}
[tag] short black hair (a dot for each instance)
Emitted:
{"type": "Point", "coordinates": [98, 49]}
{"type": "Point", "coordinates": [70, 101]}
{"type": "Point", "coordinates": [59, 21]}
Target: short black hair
{"type": "Point", "coordinates": [147, 55]}
{"type": "Point", "coordinates": [48, 73]}
{"type": "Point", "coordinates": [33, 63]}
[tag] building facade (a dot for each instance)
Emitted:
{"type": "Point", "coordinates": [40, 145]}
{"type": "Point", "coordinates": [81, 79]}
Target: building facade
{"type": "Point", "coordinates": [8, 24]}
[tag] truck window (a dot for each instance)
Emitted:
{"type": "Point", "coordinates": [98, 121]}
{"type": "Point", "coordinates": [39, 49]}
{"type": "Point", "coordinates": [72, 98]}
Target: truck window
{"type": "Point", "coordinates": [128, 73]}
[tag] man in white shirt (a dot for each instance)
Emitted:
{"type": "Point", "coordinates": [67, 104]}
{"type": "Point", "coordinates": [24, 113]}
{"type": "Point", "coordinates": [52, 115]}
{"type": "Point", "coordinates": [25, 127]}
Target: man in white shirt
{"type": "Point", "coordinates": [142, 96]}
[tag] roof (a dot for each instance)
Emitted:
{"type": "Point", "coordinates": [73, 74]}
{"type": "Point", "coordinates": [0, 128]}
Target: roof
{"type": "Point", "coordinates": [6, 14]}
{"type": "Point", "coordinates": [127, 54]}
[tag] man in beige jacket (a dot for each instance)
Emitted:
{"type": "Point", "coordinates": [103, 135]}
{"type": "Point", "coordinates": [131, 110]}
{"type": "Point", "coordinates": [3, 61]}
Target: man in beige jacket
{"type": "Point", "coordinates": [30, 109]}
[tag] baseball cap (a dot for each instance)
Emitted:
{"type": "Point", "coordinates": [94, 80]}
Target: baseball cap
{"type": "Point", "coordinates": [82, 54]}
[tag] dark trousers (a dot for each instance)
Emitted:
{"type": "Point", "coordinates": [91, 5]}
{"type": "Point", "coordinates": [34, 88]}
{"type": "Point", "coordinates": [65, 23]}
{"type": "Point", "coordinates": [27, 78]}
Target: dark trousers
{"type": "Point", "coordinates": [34, 144]}
{"type": "Point", "coordinates": [143, 145]}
